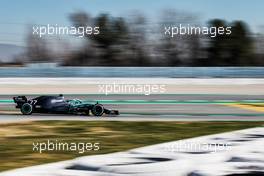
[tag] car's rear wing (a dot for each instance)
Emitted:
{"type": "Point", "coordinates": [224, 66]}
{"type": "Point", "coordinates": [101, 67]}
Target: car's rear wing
{"type": "Point", "coordinates": [20, 100]}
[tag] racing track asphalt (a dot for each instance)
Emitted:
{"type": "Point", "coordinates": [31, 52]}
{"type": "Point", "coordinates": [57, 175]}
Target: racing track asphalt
{"type": "Point", "coordinates": [19, 118]}
{"type": "Point", "coordinates": [181, 111]}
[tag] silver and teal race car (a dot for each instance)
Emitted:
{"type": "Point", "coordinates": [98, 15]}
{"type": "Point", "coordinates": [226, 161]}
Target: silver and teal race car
{"type": "Point", "coordinates": [58, 105]}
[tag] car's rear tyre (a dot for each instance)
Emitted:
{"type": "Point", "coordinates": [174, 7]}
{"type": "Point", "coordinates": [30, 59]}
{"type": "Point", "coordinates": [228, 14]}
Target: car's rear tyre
{"type": "Point", "coordinates": [26, 109]}
{"type": "Point", "coordinates": [98, 110]}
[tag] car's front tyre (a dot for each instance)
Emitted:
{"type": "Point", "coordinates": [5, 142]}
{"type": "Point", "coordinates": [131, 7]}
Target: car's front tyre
{"type": "Point", "coordinates": [98, 110]}
{"type": "Point", "coordinates": [26, 109]}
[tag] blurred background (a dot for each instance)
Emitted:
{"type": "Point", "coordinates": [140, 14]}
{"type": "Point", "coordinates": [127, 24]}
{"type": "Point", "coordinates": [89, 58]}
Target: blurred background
{"type": "Point", "coordinates": [132, 44]}
{"type": "Point", "coordinates": [132, 33]}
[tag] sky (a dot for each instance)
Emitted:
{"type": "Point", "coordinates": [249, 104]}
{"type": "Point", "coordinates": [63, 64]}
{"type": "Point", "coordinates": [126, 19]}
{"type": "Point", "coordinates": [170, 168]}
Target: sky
{"type": "Point", "coordinates": [16, 15]}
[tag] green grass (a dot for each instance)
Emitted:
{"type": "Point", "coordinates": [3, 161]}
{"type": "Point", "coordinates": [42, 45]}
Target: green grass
{"type": "Point", "coordinates": [16, 138]}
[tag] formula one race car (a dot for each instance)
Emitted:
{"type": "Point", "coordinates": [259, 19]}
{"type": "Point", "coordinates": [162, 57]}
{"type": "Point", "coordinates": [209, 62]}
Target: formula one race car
{"type": "Point", "coordinates": [58, 105]}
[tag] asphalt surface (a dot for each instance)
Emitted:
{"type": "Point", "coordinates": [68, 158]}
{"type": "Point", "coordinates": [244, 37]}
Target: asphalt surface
{"type": "Point", "coordinates": [20, 118]}
{"type": "Point", "coordinates": [152, 112]}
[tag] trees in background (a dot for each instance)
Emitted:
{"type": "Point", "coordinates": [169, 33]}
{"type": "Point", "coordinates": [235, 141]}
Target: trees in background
{"type": "Point", "coordinates": [113, 34]}
{"type": "Point", "coordinates": [241, 45]}
{"type": "Point", "coordinates": [234, 50]}
{"type": "Point", "coordinates": [218, 46]}
{"type": "Point", "coordinates": [104, 48]}
{"type": "Point", "coordinates": [37, 49]}
{"type": "Point", "coordinates": [138, 45]}
{"type": "Point", "coordinates": [134, 41]}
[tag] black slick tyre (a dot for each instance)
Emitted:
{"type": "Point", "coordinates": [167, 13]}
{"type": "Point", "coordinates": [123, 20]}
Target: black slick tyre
{"type": "Point", "coordinates": [26, 109]}
{"type": "Point", "coordinates": [98, 110]}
